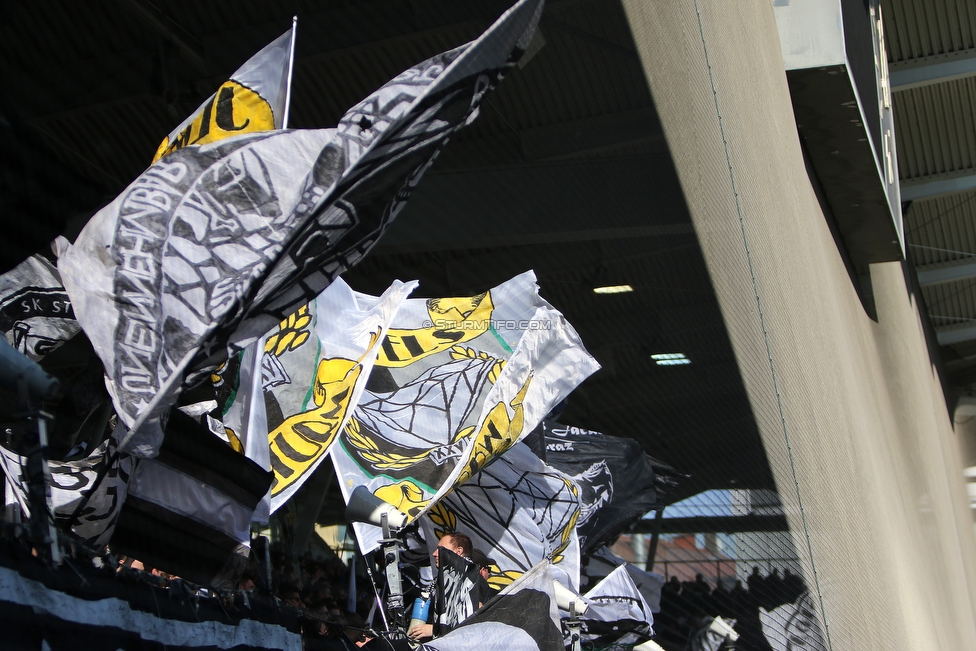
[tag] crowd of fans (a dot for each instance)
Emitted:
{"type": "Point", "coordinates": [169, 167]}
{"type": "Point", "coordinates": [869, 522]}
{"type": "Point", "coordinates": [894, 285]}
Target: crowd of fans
{"type": "Point", "coordinates": [686, 604]}
{"type": "Point", "coordinates": [320, 589]}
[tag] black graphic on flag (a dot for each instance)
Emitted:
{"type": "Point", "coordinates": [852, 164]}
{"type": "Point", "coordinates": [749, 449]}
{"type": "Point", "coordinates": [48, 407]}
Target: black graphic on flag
{"type": "Point", "coordinates": [458, 590]}
{"type": "Point", "coordinates": [601, 562]}
{"type": "Point", "coordinates": [443, 398]}
{"type": "Point", "coordinates": [519, 511]}
{"type": "Point", "coordinates": [618, 616]}
{"type": "Point", "coordinates": [618, 482]}
{"type": "Point", "coordinates": [74, 482]}
{"type": "Point", "coordinates": [793, 627]}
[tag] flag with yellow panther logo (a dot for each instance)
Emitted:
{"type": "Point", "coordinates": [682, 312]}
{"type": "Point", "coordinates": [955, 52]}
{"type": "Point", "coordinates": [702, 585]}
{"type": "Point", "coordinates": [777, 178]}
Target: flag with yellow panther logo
{"type": "Point", "coordinates": [312, 370]}
{"type": "Point", "coordinates": [253, 99]}
{"type": "Point", "coordinates": [456, 383]}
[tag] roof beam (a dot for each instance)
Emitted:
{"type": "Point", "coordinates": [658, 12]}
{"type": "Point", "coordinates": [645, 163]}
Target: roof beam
{"type": "Point", "coordinates": [929, 187]}
{"type": "Point", "coordinates": [715, 524]}
{"type": "Point", "coordinates": [947, 272]}
{"type": "Point", "coordinates": [956, 334]}
{"type": "Point", "coordinates": [936, 69]}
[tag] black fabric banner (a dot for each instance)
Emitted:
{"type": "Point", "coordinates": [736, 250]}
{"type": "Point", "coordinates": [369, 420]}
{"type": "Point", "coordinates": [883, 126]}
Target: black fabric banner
{"type": "Point", "coordinates": [619, 483]}
{"type": "Point", "coordinates": [458, 590]}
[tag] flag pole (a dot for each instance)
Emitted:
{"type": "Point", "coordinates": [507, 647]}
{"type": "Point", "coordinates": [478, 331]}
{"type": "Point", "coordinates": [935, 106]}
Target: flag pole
{"type": "Point", "coordinates": [291, 71]}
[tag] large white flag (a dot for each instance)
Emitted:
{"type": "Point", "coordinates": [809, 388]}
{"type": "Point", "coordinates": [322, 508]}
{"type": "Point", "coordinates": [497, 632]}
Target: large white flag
{"type": "Point", "coordinates": [457, 382]}
{"type": "Point", "coordinates": [253, 99]}
{"type": "Point", "coordinates": [519, 512]}
{"type": "Point", "coordinates": [214, 245]}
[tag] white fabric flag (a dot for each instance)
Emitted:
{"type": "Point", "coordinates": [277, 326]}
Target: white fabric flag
{"type": "Point", "coordinates": [35, 311]}
{"type": "Point", "coordinates": [253, 99]}
{"type": "Point", "coordinates": [215, 244]}
{"type": "Point", "coordinates": [314, 369]}
{"type": "Point", "coordinates": [523, 617]}
{"type": "Point", "coordinates": [74, 481]}
{"type": "Point", "coordinates": [457, 382]}
{"type": "Point", "coordinates": [793, 627]}
{"type": "Point", "coordinates": [518, 511]}
{"type": "Point", "coordinates": [617, 614]}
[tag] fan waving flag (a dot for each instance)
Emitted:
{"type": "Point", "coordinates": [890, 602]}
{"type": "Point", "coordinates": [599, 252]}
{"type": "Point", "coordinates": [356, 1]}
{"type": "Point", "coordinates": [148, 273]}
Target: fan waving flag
{"type": "Point", "coordinates": [457, 382]}
{"type": "Point", "coordinates": [519, 512]}
{"type": "Point", "coordinates": [523, 617]}
{"type": "Point", "coordinates": [216, 244]}
{"type": "Point", "coordinates": [253, 99]}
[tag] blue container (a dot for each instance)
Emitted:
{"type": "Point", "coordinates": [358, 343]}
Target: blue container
{"type": "Point", "coordinates": [421, 609]}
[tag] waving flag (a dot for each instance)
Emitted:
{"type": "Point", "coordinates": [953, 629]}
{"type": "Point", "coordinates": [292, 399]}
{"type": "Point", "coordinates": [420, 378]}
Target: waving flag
{"type": "Point", "coordinates": [457, 382]}
{"type": "Point", "coordinates": [793, 627]}
{"type": "Point", "coordinates": [253, 99]}
{"type": "Point", "coordinates": [619, 483]}
{"type": "Point", "coordinates": [35, 311]}
{"type": "Point", "coordinates": [188, 511]}
{"type": "Point", "coordinates": [523, 617]}
{"type": "Point", "coordinates": [617, 615]}
{"type": "Point", "coordinates": [313, 369]}
{"type": "Point", "coordinates": [518, 511]}
{"type": "Point", "coordinates": [75, 481]}
{"type": "Point", "coordinates": [216, 244]}
{"type": "Point", "coordinates": [601, 562]}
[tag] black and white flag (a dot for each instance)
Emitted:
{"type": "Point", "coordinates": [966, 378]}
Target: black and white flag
{"type": "Point", "coordinates": [602, 562]}
{"type": "Point", "coordinates": [458, 592]}
{"type": "Point", "coordinates": [523, 617]}
{"type": "Point", "coordinates": [618, 616]}
{"type": "Point", "coordinates": [619, 483]}
{"type": "Point", "coordinates": [793, 627]}
{"type": "Point", "coordinates": [519, 511]}
{"type": "Point", "coordinates": [35, 311]}
{"type": "Point", "coordinates": [214, 245]}
{"type": "Point", "coordinates": [188, 511]}
{"type": "Point", "coordinates": [74, 482]}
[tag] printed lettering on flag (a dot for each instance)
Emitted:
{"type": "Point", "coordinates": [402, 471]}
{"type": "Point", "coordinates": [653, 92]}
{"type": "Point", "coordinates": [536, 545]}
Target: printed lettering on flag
{"type": "Point", "coordinates": [35, 312]}
{"type": "Point", "coordinates": [253, 99]}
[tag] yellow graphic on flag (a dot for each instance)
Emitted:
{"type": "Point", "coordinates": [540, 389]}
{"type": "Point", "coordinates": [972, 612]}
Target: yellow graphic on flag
{"type": "Point", "coordinates": [302, 439]}
{"type": "Point", "coordinates": [498, 433]}
{"type": "Point", "coordinates": [405, 496]}
{"type": "Point", "coordinates": [233, 110]}
{"type": "Point", "coordinates": [452, 321]}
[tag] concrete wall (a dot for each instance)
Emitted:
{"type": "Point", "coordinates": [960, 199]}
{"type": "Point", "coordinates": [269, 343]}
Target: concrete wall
{"type": "Point", "coordinates": [850, 410]}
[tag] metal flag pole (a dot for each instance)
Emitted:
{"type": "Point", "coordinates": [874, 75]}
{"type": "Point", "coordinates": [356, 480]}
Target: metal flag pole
{"type": "Point", "coordinates": [291, 71]}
